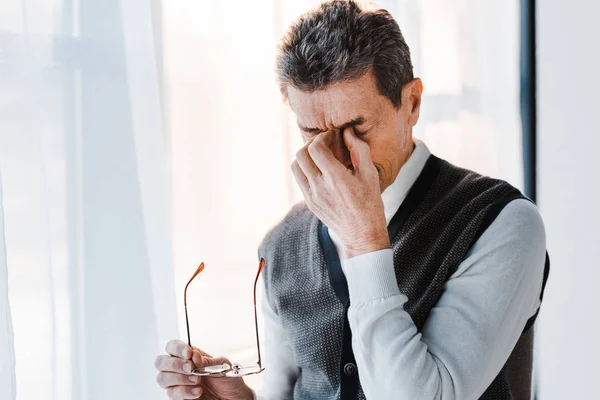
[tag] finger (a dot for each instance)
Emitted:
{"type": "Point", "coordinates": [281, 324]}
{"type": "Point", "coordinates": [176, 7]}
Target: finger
{"type": "Point", "coordinates": [177, 348]}
{"type": "Point", "coordinates": [200, 351]}
{"type": "Point", "coordinates": [307, 165]}
{"type": "Point", "coordinates": [168, 379]}
{"type": "Point", "coordinates": [184, 392]}
{"type": "Point", "coordinates": [323, 157]}
{"type": "Point", "coordinates": [360, 153]}
{"type": "Point", "coordinates": [207, 361]}
{"type": "Point", "coordinates": [301, 179]}
{"type": "Point", "coordinates": [203, 361]}
{"type": "Point", "coordinates": [165, 363]}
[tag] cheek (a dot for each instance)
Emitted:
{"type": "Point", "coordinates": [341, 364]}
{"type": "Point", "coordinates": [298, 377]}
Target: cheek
{"type": "Point", "coordinates": [384, 153]}
{"type": "Point", "coordinates": [381, 147]}
{"type": "Point", "coordinates": [379, 155]}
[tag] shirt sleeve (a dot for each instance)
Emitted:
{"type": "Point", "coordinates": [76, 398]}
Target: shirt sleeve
{"type": "Point", "coordinates": [472, 329]}
{"type": "Point", "coordinates": [281, 371]}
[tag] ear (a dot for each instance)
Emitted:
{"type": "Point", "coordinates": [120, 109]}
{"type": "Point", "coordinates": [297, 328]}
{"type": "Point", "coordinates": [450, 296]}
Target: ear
{"type": "Point", "coordinates": [412, 100]}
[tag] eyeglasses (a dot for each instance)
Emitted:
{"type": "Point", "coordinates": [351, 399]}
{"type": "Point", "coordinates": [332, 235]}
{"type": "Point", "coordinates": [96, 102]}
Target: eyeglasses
{"type": "Point", "coordinates": [226, 370]}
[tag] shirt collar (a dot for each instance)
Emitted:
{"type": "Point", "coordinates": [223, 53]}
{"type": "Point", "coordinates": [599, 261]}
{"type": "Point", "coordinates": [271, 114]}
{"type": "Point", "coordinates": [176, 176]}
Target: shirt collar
{"type": "Point", "coordinates": [394, 195]}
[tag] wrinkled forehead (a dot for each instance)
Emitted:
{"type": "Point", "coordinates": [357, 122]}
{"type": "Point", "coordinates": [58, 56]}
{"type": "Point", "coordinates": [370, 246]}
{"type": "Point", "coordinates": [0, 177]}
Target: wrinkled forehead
{"type": "Point", "coordinates": [336, 105]}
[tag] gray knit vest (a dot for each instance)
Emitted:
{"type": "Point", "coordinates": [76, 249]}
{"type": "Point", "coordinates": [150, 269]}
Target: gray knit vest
{"type": "Point", "coordinates": [443, 215]}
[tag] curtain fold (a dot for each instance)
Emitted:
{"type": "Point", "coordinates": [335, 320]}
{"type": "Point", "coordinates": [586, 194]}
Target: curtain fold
{"type": "Point", "coordinates": [152, 149]}
{"type": "Point", "coordinates": [86, 178]}
{"type": "Point", "coordinates": [8, 384]}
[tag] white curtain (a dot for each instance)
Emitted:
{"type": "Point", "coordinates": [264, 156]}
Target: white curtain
{"type": "Point", "coordinates": [139, 138]}
{"type": "Point", "coordinates": [8, 382]}
{"type": "Point", "coordinates": [87, 214]}
{"type": "Point", "coordinates": [467, 53]}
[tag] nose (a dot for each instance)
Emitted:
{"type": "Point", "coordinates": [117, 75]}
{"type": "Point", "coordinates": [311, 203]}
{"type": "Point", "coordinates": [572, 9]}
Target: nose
{"type": "Point", "coordinates": [339, 149]}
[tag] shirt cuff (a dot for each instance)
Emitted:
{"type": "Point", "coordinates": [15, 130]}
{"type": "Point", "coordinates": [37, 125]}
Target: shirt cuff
{"type": "Point", "coordinates": [371, 276]}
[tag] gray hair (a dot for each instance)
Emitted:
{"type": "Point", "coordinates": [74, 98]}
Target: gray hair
{"type": "Point", "coordinates": [340, 41]}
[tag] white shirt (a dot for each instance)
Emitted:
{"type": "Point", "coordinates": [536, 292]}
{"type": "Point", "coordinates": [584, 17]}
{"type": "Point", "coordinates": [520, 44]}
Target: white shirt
{"type": "Point", "coordinates": [468, 335]}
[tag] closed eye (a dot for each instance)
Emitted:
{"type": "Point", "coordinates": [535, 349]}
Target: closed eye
{"type": "Point", "coordinates": [356, 122]}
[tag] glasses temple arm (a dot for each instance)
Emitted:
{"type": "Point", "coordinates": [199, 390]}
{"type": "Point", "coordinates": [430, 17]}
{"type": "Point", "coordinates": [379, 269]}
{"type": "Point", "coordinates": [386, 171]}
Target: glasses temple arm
{"type": "Point", "coordinates": [187, 326]}
{"type": "Point", "coordinates": [187, 322]}
{"type": "Point", "coordinates": [260, 268]}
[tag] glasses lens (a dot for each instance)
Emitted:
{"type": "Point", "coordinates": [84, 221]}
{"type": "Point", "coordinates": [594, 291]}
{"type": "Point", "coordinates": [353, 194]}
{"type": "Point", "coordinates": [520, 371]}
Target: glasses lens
{"type": "Point", "coordinates": [211, 370]}
{"type": "Point", "coordinates": [239, 371]}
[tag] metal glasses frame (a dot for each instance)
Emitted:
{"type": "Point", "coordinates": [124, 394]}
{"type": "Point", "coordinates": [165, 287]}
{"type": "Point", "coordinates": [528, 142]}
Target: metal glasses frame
{"type": "Point", "coordinates": [226, 370]}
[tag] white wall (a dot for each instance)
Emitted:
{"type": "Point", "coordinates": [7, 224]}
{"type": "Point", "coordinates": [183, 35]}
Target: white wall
{"type": "Point", "coordinates": [568, 347]}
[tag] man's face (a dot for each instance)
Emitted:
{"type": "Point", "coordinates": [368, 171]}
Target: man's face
{"type": "Point", "coordinates": [358, 104]}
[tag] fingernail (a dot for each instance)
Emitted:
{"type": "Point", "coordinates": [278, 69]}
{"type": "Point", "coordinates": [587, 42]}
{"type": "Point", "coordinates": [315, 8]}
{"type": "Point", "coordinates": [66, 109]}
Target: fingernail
{"type": "Point", "coordinates": [187, 367]}
{"type": "Point", "coordinates": [193, 378]}
{"type": "Point", "coordinates": [184, 353]}
{"type": "Point", "coordinates": [196, 390]}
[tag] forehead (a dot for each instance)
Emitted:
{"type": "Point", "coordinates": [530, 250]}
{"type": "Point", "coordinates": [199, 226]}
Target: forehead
{"type": "Point", "coordinates": [338, 103]}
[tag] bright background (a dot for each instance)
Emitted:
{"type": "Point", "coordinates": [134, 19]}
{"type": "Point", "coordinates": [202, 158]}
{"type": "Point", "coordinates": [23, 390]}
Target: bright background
{"type": "Point", "coordinates": [140, 137]}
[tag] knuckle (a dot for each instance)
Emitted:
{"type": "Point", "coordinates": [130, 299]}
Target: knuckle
{"type": "Point", "coordinates": [204, 361]}
{"type": "Point", "coordinates": [160, 379]}
{"type": "Point", "coordinates": [175, 393]}
{"type": "Point", "coordinates": [175, 347]}
{"type": "Point", "coordinates": [173, 364]}
{"type": "Point", "coordinates": [186, 380]}
{"type": "Point", "coordinates": [171, 392]}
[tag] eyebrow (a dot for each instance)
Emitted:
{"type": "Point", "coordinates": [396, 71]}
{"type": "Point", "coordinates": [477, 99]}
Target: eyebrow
{"type": "Point", "coordinates": [353, 123]}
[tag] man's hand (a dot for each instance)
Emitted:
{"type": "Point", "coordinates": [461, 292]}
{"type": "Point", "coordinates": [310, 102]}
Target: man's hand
{"type": "Point", "coordinates": [175, 376]}
{"type": "Point", "coordinates": [346, 200]}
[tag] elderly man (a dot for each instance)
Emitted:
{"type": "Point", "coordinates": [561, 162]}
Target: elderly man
{"type": "Point", "coordinates": [401, 276]}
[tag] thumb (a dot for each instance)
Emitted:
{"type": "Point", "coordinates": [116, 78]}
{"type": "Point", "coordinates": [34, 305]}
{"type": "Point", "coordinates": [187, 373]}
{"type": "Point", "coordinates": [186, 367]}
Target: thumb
{"type": "Point", "coordinates": [216, 360]}
{"type": "Point", "coordinates": [203, 360]}
{"type": "Point", "coordinates": [360, 153]}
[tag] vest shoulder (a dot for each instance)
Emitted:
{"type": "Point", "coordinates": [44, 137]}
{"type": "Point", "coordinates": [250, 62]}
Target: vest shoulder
{"type": "Point", "coordinates": [469, 179]}
{"type": "Point", "coordinates": [296, 221]}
